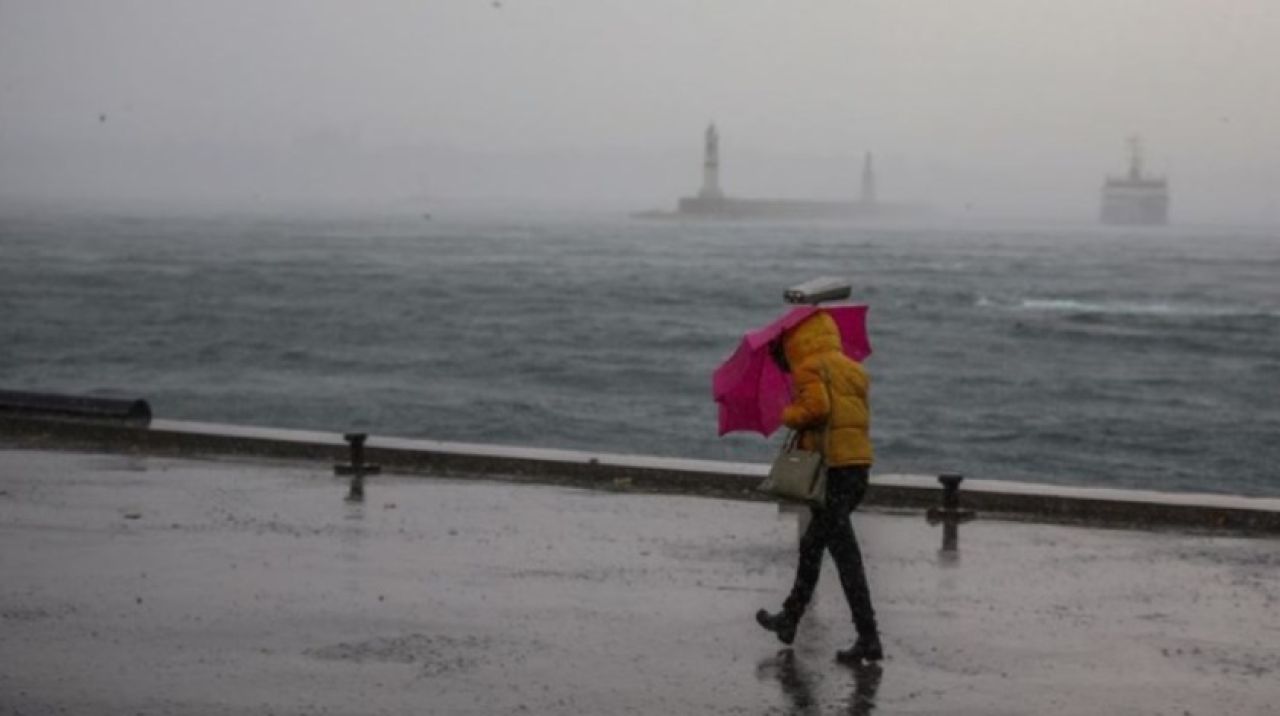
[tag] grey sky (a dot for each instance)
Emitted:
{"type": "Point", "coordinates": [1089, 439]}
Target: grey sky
{"type": "Point", "coordinates": [993, 106]}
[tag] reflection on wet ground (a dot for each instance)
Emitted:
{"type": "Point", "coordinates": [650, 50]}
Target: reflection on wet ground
{"type": "Point", "coordinates": [181, 587]}
{"type": "Point", "coordinates": [799, 683]}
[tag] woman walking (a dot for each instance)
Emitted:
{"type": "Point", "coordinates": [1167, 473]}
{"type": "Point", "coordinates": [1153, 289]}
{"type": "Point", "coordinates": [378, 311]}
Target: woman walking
{"type": "Point", "coordinates": [830, 395]}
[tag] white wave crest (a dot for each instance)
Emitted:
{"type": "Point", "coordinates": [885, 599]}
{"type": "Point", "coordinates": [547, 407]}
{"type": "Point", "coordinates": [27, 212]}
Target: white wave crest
{"type": "Point", "coordinates": [1135, 308]}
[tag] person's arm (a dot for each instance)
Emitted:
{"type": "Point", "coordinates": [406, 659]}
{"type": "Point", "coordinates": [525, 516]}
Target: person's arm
{"type": "Point", "coordinates": [811, 404]}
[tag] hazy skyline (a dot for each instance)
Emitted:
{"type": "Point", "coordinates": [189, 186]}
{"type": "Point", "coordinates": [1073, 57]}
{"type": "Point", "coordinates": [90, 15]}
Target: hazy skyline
{"type": "Point", "coordinates": [998, 107]}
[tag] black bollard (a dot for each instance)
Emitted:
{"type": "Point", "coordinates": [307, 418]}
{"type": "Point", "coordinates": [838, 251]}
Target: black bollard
{"type": "Point", "coordinates": [951, 490]}
{"type": "Point", "coordinates": [357, 469]}
{"type": "Point", "coordinates": [950, 514]}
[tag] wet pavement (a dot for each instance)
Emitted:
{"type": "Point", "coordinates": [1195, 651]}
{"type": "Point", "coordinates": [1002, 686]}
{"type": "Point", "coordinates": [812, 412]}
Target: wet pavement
{"type": "Point", "coordinates": [162, 586]}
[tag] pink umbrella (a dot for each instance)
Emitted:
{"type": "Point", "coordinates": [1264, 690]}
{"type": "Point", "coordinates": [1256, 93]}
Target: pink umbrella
{"type": "Point", "coordinates": [752, 390]}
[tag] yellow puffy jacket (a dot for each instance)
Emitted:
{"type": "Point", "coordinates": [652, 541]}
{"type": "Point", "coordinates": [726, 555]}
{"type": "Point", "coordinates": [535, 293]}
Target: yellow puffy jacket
{"type": "Point", "coordinates": [814, 354]}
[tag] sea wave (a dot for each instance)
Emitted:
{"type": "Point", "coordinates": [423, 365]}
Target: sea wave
{"type": "Point", "coordinates": [1140, 308]}
{"type": "Point", "coordinates": [1048, 358]}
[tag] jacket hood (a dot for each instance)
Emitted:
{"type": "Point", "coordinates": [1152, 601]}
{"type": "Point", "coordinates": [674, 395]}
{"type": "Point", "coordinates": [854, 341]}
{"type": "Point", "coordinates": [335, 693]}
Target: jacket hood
{"type": "Point", "coordinates": [816, 334]}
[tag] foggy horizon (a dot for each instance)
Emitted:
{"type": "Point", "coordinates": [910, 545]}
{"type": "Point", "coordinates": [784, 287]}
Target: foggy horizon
{"type": "Point", "coordinates": [996, 109]}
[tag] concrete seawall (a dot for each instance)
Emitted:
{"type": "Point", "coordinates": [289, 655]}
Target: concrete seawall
{"type": "Point", "coordinates": [1012, 500]}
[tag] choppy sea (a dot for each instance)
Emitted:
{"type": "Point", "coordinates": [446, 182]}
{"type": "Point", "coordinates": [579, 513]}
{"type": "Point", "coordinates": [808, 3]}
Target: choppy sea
{"type": "Point", "coordinates": [1087, 356]}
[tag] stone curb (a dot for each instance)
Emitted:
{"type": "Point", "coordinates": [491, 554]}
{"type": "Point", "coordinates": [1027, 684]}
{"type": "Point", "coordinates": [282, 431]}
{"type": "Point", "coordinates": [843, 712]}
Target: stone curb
{"type": "Point", "coordinates": [1010, 500]}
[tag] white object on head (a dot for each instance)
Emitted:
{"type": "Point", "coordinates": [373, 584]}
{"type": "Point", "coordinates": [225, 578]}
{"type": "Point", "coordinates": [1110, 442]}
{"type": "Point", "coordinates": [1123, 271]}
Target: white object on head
{"type": "Point", "coordinates": [815, 291]}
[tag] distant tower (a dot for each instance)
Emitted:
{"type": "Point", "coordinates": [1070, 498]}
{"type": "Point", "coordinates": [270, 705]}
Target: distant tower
{"type": "Point", "coordinates": [1135, 158]}
{"type": "Point", "coordinates": [711, 165]}
{"type": "Point", "coordinates": [868, 180]}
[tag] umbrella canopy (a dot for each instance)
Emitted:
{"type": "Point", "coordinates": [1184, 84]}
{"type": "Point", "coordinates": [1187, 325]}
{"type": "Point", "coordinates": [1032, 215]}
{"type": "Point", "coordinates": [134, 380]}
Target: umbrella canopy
{"type": "Point", "coordinates": [750, 388]}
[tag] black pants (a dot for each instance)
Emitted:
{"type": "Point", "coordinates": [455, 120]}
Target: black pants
{"type": "Point", "coordinates": [831, 530]}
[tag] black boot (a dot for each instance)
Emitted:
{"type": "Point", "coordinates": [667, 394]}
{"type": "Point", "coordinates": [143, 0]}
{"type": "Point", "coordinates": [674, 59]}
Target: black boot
{"type": "Point", "coordinates": [780, 624]}
{"type": "Point", "coordinates": [866, 648]}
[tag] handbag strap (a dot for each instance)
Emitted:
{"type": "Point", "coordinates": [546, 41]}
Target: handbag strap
{"type": "Point", "coordinates": [831, 409]}
{"type": "Point", "coordinates": [792, 439]}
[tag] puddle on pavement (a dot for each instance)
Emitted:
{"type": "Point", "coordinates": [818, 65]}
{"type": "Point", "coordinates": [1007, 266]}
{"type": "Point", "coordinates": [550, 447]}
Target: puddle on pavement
{"type": "Point", "coordinates": [433, 655]}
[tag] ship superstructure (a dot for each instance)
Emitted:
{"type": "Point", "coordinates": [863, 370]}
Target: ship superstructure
{"type": "Point", "coordinates": [1135, 199]}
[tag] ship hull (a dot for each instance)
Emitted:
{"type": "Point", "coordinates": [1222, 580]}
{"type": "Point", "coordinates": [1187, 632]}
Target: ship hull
{"type": "Point", "coordinates": [1144, 203]}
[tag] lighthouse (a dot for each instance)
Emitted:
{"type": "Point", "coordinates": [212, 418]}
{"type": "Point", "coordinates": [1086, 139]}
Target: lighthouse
{"type": "Point", "coordinates": [711, 165]}
{"type": "Point", "coordinates": [710, 202]}
{"type": "Point", "coordinates": [868, 181]}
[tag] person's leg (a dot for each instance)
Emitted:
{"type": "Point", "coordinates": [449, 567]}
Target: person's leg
{"type": "Point", "coordinates": [843, 545]}
{"type": "Point", "coordinates": [808, 568]}
{"type": "Point", "coordinates": [809, 564]}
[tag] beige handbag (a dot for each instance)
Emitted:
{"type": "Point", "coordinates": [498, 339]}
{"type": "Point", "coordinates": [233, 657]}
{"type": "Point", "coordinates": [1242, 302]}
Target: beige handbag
{"type": "Point", "coordinates": [800, 475]}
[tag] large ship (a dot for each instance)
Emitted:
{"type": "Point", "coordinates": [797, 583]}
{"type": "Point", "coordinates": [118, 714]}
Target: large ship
{"type": "Point", "coordinates": [711, 202]}
{"type": "Point", "coordinates": [1135, 199]}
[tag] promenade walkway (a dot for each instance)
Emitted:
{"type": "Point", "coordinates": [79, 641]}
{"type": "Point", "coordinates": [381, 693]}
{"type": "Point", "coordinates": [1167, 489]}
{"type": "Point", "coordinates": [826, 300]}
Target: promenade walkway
{"type": "Point", "coordinates": [151, 585]}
